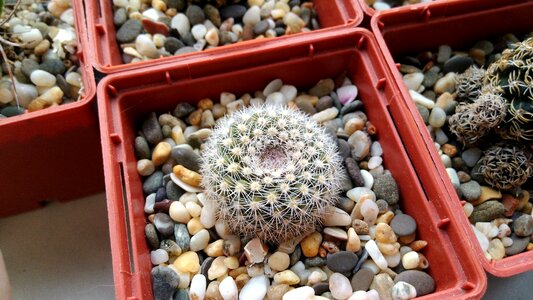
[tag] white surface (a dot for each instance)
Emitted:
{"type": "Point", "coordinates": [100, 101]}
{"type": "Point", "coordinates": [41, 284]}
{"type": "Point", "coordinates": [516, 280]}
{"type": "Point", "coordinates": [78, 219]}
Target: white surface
{"type": "Point", "coordinates": [62, 252]}
{"type": "Point", "coordinates": [59, 252]}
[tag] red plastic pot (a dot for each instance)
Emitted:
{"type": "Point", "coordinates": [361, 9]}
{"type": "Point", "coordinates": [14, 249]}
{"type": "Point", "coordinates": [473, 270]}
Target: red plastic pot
{"type": "Point", "coordinates": [458, 24]}
{"type": "Point", "coordinates": [53, 154]}
{"type": "Point", "coordinates": [107, 57]}
{"type": "Point", "coordinates": [125, 99]}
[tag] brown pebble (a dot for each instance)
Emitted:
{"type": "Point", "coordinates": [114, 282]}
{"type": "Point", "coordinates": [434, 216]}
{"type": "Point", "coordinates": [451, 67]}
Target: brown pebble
{"type": "Point", "coordinates": [330, 247]}
{"type": "Point", "coordinates": [38, 104]}
{"type": "Point", "coordinates": [213, 292]}
{"type": "Point", "coordinates": [385, 218]}
{"type": "Point", "coordinates": [405, 240]}
{"type": "Point", "coordinates": [360, 226]}
{"type": "Point", "coordinates": [510, 204]}
{"type": "Point", "coordinates": [248, 32]}
{"type": "Point", "coordinates": [371, 129]}
{"type": "Point", "coordinates": [449, 150]}
{"type": "Point", "coordinates": [205, 103]}
{"type": "Point", "coordinates": [42, 47]}
{"type": "Point", "coordinates": [195, 118]}
{"type": "Point", "coordinates": [529, 246]}
{"type": "Point", "coordinates": [218, 110]}
{"type": "Point", "coordinates": [418, 245]}
{"type": "Point", "coordinates": [237, 272]}
{"type": "Point", "coordinates": [241, 280]}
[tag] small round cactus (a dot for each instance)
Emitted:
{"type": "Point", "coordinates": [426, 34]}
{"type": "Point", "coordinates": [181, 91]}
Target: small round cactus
{"type": "Point", "coordinates": [473, 121]}
{"type": "Point", "coordinates": [506, 166]}
{"type": "Point", "coordinates": [271, 171]}
{"type": "Point", "coordinates": [469, 84]}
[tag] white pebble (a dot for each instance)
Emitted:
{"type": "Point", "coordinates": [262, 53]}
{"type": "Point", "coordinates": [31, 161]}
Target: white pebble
{"type": "Point", "coordinates": [31, 37]}
{"type": "Point", "coordinates": [276, 99]}
{"type": "Point", "coordinates": [228, 289]}
{"type": "Point", "coordinates": [301, 293]}
{"type": "Point", "coordinates": [146, 46]}
{"type": "Point", "coordinates": [413, 80]}
{"type": "Point", "coordinates": [252, 15]}
{"type": "Point", "coordinates": [403, 291]}
{"type": "Point", "coordinates": [255, 288]}
{"type": "Point", "coordinates": [437, 117]}
{"type": "Point", "coordinates": [370, 211]}
{"type": "Point", "coordinates": [375, 149]}
{"type": "Point", "coordinates": [180, 22]}
{"type": "Point", "coordinates": [178, 212]}
{"type": "Point", "coordinates": [468, 208]}
{"type": "Point", "coordinates": [153, 14]}
{"type": "Point", "coordinates": [507, 241]}
{"type": "Point", "coordinates": [208, 215]}
{"type": "Point", "coordinates": [481, 238]}
{"type": "Point", "coordinates": [26, 93]}
{"type": "Point", "coordinates": [200, 240]}
{"type": "Point", "coordinates": [212, 37]}
{"type": "Point", "coordinates": [504, 230]}
{"type": "Point", "coordinates": [158, 256]}
{"type": "Point", "coordinates": [193, 208]}
{"type": "Point", "coordinates": [453, 177]}
{"type": "Point", "coordinates": [336, 233]}
{"type": "Point", "coordinates": [337, 217]}
{"type": "Point", "coordinates": [149, 204]}
{"type": "Point", "coordinates": [289, 92]}
{"type": "Point", "coordinates": [198, 31]}
{"type": "Point", "coordinates": [379, 6]}
{"type": "Point", "coordinates": [410, 260]}
{"type": "Point", "coordinates": [368, 179]}
{"type": "Point", "coordinates": [73, 78]}
{"type": "Point", "coordinates": [373, 250]}
{"type": "Point", "coordinates": [198, 287]}
{"type": "Point", "coordinates": [488, 229]}
{"type": "Point", "coordinates": [357, 193]}
{"type": "Point", "coordinates": [42, 78]}
{"type": "Point", "coordinates": [421, 100]}
{"type": "Point", "coordinates": [446, 161]}
{"type": "Point", "coordinates": [393, 260]}
{"type": "Point", "coordinates": [374, 161]}
{"type": "Point", "coordinates": [347, 94]}
{"type": "Point", "coordinates": [274, 86]}
{"type": "Point", "coordinates": [325, 115]}
{"type": "Point", "coordinates": [340, 286]}
{"type": "Point", "coordinates": [372, 295]}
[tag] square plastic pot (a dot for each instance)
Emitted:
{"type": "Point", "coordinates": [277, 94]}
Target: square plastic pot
{"type": "Point", "coordinates": [125, 99]}
{"type": "Point", "coordinates": [458, 24]}
{"type": "Point", "coordinates": [53, 154]}
{"type": "Point", "coordinates": [107, 57]}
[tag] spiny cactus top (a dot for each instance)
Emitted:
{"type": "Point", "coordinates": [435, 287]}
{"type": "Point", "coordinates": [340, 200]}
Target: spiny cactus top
{"type": "Point", "coordinates": [271, 171]}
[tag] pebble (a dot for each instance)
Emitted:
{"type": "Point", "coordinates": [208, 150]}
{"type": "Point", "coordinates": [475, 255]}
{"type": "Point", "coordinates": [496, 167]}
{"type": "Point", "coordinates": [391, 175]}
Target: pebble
{"type": "Point", "coordinates": [181, 234]}
{"type": "Point", "coordinates": [233, 11]}
{"type": "Point", "coordinates": [369, 211]}
{"type": "Point", "coordinates": [410, 260]}
{"type": "Point", "coordinates": [360, 143]}
{"type": "Point", "coordinates": [423, 283]}
{"type": "Point", "coordinates": [362, 279]}
{"type": "Point", "coordinates": [336, 233]}
{"type": "Point", "coordinates": [445, 84]}
{"type": "Point", "coordinates": [279, 261]}
{"type": "Point", "coordinates": [152, 129]}
{"type": "Point", "coordinates": [471, 190]}
{"type": "Point", "coordinates": [496, 249]}
{"type": "Point", "coordinates": [158, 256]}
{"type": "Point", "coordinates": [403, 291]}
{"type": "Point", "coordinates": [217, 269]}
{"type": "Point", "coordinates": [310, 244]}
{"type": "Point", "coordinates": [164, 224]}
{"type": "Point", "coordinates": [301, 293]}
{"type": "Point", "coordinates": [186, 157]}
{"type": "Point", "coordinates": [354, 243]}
{"type": "Point", "coordinates": [457, 64]}
{"type": "Point", "coordinates": [481, 238]}
{"type": "Point", "coordinates": [523, 226]}
{"type": "Point", "coordinates": [129, 31]}
{"type": "Point", "coordinates": [421, 100]}
{"type": "Point", "coordinates": [325, 115]}
{"type": "Point", "coordinates": [212, 292]}
{"type": "Point", "coordinates": [199, 241]}
{"type": "Point", "coordinates": [342, 261]}
{"type": "Point", "coordinates": [179, 213]}
{"type": "Point", "coordinates": [53, 66]}
{"type": "Point", "coordinates": [188, 262]}
{"type": "Point", "coordinates": [413, 80]}
{"type": "Point", "coordinates": [487, 211]}
{"type": "Point", "coordinates": [373, 250]}
{"type": "Point", "coordinates": [347, 94]}
{"type": "Point", "coordinates": [151, 236]}
{"type": "Point", "coordinates": [145, 46]}
{"type": "Point", "coordinates": [437, 117]}
{"type": "Point", "coordinates": [382, 284]}
{"type": "Point", "coordinates": [255, 288]}
{"type": "Point", "coordinates": [340, 286]}
{"type": "Point", "coordinates": [31, 37]}
{"type": "Point", "coordinates": [403, 225]}
{"type": "Point", "coordinates": [198, 287]}
{"type": "Point", "coordinates": [444, 53]}
{"type": "Point", "coordinates": [171, 247]}
{"type": "Point", "coordinates": [385, 188]}
{"type": "Point", "coordinates": [286, 277]}
{"type": "Point", "coordinates": [519, 245]}
{"type": "Point", "coordinates": [323, 88]}
{"type": "Point", "coordinates": [42, 78]}
{"type": "Point", "coordinates": [337, 217]}
{"type": "Point", "coordinates": [228, 289]}
{"type": "Point", "coordinates": [354, 171]}
{"type": "Point", "coordinates": [165, 281]}
{"type": "Point", "coordinates": [368, 179]}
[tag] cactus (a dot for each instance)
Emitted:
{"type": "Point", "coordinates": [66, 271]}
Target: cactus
{"type": "Point", "coordinates": [506, 166]}
{"type": "Point", "coordinates": [271, 171]}
{"type": "Point", "coordinates": [469, 84]}
{"type": "Point", "coordinates": [473, 121]}
{"type": "Point", "coordinates": [512, 76]}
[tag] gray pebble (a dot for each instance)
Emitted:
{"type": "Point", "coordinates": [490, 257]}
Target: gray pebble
{"type": "Point", "coordinates": [213, 14]}
{"type": "Point", "coordinates": [206, 264]}
{"type": "Point", "coordinates": [129, 31]}
{"type": "Point", "coordinates": [424, 113]}
{"type": "Point", "coordinates": [179, 5]}
{"type": "Point", "coordinates": [63, 85]}
{"type": "Point", "coordinates": [320, 288]}
{"type": "Point", "coordinates": [174, 192]}
{"type": "Point", "coordinates": [457, 64]}
{"type": "Point", "coordinates": [471, 156]}
{"type": "Point", "coordinates": [160, 194]}
{"type": "Point", "coordinates": [362, 258]}
{"type": "Point", "coordinates": [383, 206]}
{"type": "Point", "coordinates": [354, 172]}
{"type": "Point", "coordinates": [170, 246]}
{"type": "Point", "coordinates": [431, 77]}
{"type": "Point", "coordinates": [471, 190]}
{"type": "Point", "coordinates": [164, 224]}
{"type": "Point", "coordinates": [306, 107]}
{"type": "Point", "coordinates": [385, 188]}
{"type": "Point", "coordinates": [233, 11]}
{"type": "Point", "coordinates": [444, 53]}
{"type": "Point", "coordinates": [151, 236]}
{"type": "Point", "coordinates": [336, 100]}
{"type": "Point", "coordinates": [485, 45]}
{"type": "Point", "coordinates": [142, 150]}
{"type": "Point", "coordinates": [42, 27]}
{"type": "Point", "coordinates": [28, 66]}
{"type": "Point", "coordinates": [296, 255]}
{"type": "Point", "coordinates": [342, 261]}
{"type": "Point", "coordinates": [346, 204]}
{"type": "Point", "coordinates": [316, 261]}
{"type": "Point", "coordinates": [519, 245]}
{"type": "Point", "coordinates": [10, 111]}
{"type": "Point", "coordinates": [403, 225]}
{"type": "Point", "coordinates": [351, 107]}
{"type": "Point", "coordinates": [183, 109]}
{"type": "Point", "coordinates": [323, 88]}
{"type": "Point", "coordinates": [195, 14]}
{"type": "Point", "coordinates": [344, 148]}
{"type": "Point", "coordinates": [153, 182]}
{"type": "Point", "coordinates": [523, 226]}
{"type": "Point", "coordinates": [324, 103]}
{"type": "Point", "coordinates": [181, 234]}
{"type": "Point", "coordinates": [423, 283]}
{"type": "Point", "coordinates": [173, 44]}
{"type": "Point", "coordinates": [165, 281]}
{"type": "Point", "coordinates": [362, 279]}
{"type": "Point", "coordinates": [487, 211]}
{"type": "Point", "coordinates": [53, 66]}
{"type": "Point", "coordinates": [120, 17]}
{"type": "Point", "coordinates": [152, 129]}
{"type": "Point", "coordinates": [261, 27]}
{"type": "Point", "coordinates": [186, 157]}
{"type": "Point", "coordinates": [181, 294]}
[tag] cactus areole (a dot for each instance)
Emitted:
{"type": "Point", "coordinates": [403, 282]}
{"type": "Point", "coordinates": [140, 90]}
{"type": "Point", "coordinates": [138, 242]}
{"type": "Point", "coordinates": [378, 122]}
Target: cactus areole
{"type": "Point", "coordinates": [271, 171]}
